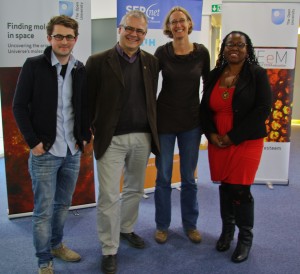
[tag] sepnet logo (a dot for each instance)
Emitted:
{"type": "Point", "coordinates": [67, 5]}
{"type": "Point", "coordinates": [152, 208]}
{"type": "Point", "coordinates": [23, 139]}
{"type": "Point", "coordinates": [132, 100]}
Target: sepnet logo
{"type": "Point", "coordinates": [151, 12]}
{"type": "Point", "coordinates": [157, 10]}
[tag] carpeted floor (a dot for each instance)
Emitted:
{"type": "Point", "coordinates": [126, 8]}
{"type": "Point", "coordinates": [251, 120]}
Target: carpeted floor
{"type": "Point", "coordinates": [275, 248]}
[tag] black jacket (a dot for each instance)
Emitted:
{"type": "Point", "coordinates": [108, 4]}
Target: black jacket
{"type": "Point", "coordinates": [106, 89]}
{"type": "Point", "coordinates": [251, 104]}
{"type": "Point", "coordinates": [36, 97]}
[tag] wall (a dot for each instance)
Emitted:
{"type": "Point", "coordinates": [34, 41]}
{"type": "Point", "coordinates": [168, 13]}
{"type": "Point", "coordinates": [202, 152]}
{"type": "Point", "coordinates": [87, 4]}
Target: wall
{"type": "Point", "coordinates": [296, 99]}
{"type": "Point", "coordinates": [1, 132]}
{"type": "Point", "coordinates": [108, 9]}
{"type": "Point", "coordinates": [104, 15]}
{"type": "Point", "coordinates": [103, 9]}
{"type": "Point", "coordinates": [104, 34]}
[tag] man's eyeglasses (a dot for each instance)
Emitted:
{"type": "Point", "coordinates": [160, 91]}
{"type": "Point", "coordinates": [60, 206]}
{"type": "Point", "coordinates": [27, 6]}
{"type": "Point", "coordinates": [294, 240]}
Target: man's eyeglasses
{"type": "Point", "coordinates": [180, 21]}
{"type": "Point", "coordinates": [233, 45]}
{"type": "Point", "coordinates": [59, 37]}
{"type": "Point", "coordinates": [130, 30]}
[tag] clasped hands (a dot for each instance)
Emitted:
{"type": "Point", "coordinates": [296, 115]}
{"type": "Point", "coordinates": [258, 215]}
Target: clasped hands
{"type": "Point", "coordinates": [220, 141]}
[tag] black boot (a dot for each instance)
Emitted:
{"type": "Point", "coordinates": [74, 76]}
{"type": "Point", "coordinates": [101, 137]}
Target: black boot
{"type": "Point", "coordinates": [244, 214]}
{"type": "Point", "coordinates": [228, 219]}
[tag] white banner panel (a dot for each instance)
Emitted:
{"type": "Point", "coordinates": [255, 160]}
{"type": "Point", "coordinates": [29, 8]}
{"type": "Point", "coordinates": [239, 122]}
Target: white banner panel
{"type": "Point", "coordinates": [23, 34]}
{"type": "Point", "coordinates": [273, 157]}
{"type": "Point", "coordinates": [273, 29]}
{"type": "Point", "coordinates": [281, 58]}
{"type": "Point", "coordinates": [23, 28]}
{"type": "Point", "coordinates": [270, 24]}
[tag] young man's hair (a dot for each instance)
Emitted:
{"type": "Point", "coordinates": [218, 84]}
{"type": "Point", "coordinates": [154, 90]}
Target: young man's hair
{"type": "Point", "coordinates": [63, 20]}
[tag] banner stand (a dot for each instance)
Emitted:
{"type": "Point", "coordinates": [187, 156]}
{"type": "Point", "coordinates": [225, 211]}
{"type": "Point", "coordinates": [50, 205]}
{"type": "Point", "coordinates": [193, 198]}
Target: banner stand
{"type": "Point", "coordinates": [23, 36]}
{"type": "Point", "coordinates": [274, 35]}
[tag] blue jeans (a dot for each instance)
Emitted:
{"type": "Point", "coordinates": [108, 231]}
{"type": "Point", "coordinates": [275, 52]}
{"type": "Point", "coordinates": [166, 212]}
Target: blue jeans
{"type": "Point", "coordinates": [188, 144]}
{"type": "Point", "coordinates": [53, 184]}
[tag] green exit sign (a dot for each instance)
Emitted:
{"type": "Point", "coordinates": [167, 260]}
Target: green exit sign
{"type": "Point", "coordinates": [216, 8]}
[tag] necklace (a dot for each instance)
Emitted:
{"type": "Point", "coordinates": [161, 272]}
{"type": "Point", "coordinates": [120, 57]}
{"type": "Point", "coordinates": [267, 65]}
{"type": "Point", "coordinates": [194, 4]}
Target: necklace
{"type": "Point", "coordinates": [226, 94]}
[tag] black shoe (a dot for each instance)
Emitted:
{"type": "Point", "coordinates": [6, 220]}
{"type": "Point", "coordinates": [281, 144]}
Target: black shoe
{"type": "Point", "coordinates": [133, 239]}
{"type": "Point", "coordinates": [225, 239]}
{"type": "Point", "coordinates": [240, 253]}
{"type": "Point", "coordinates": [223, 244]}
{"type": "Point", "coordinates": [109, 264]}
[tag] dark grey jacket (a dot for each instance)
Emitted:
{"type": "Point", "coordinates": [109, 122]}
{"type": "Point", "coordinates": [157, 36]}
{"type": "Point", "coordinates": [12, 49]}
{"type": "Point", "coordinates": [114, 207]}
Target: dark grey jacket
{"type": "Point", "coordinates": [106, 88]}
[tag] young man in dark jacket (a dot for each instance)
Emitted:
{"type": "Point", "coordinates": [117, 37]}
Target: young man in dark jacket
{"type": "Point", "coordinates": [50, 108]}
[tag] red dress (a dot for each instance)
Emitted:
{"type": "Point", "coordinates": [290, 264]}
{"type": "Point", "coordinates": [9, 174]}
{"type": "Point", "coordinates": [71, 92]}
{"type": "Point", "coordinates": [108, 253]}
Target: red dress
{"type": "Point", "coordinates": [234, 164]}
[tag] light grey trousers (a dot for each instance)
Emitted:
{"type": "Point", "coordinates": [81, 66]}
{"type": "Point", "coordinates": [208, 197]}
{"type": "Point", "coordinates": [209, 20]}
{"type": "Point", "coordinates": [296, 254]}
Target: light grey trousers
{"type": "Point", "coordinates": [127, 154]}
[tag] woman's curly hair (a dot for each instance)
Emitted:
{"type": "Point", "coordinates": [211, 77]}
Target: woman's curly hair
{"type": "Point", "coordinates": [251, 58]}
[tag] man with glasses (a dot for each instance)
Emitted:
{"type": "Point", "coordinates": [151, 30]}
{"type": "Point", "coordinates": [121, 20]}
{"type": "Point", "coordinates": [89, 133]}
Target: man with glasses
{"type": "Point", "coordinates": [50, 107]}
{"type": "Point", "coordinates": [122, 85]}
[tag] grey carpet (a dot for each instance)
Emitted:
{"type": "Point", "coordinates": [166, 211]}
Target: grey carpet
{"type": "Point", "coordinates": [275, 250]}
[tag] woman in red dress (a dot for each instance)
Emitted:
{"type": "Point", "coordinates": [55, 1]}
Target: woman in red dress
{"type": "Point", "coordinates": [235, 104]}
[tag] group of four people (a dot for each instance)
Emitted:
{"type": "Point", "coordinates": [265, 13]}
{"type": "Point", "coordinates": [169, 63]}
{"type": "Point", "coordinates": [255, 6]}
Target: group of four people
{"type": "Point", "coordinates": [59, 104]}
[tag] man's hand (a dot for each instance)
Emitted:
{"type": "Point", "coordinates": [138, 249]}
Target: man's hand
{"type": "Point", "coordinates": [84, 144]}
{"type": "Point", "coordinates": [38, 150]}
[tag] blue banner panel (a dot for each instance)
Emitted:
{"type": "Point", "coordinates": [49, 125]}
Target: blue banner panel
{"type": "Point", "coordinates": [156, 11]}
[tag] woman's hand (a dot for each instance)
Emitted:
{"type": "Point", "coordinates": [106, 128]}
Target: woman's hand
{"type": "Point", "coordinates": [220, 141]}
{"type": "Point", "coordinates": [225, 141]}
{"type": "Point", "coordinates": [215, 139]}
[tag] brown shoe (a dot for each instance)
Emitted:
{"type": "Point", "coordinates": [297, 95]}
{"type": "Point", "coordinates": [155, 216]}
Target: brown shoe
{"type": "Point", "coordinates": [47, 270]}
{"type": "Point", "coordinates": [194, 235]}
{"type": "Point", "coordinates": [161, 236]}
{"type": "Point", "coordinates": [66, 254]}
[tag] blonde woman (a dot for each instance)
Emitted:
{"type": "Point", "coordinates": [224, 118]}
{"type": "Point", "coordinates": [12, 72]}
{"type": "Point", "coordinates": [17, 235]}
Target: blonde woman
{"type": "Point", "coordinates": [182, 64]}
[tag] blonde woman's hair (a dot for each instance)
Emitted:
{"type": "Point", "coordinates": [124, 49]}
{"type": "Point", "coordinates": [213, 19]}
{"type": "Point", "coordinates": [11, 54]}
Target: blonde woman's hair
{"type": "Point", "coordinates": [166, 26]}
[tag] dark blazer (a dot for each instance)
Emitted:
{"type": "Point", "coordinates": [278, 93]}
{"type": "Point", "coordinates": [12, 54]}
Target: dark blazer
{"type": "Point", "coordinates": [251, 104]}
{"type": "Point", "coordinates": [105, 91]}
{"type": "Point", "coordinates": [36, 97]}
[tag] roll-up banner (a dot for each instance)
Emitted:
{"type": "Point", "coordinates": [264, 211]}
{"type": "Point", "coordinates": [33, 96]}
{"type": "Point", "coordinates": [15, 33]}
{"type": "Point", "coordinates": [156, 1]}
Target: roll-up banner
{"type": "Point", "coordinates": [23, 34]}
{"type": "Point", "coordinates": [273, 28]}
{"type": "Point", "coordinates": [156, 12]}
